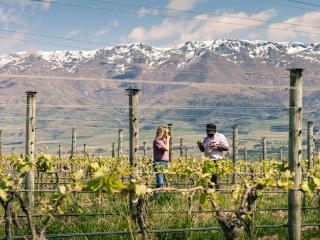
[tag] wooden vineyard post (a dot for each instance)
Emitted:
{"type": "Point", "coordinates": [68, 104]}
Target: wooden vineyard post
{"type": "Point", "coordinates": [73, 142]}
{"type": "Point", "coordinates": [314, 151]}
{"type": "Point", "coordinates": [310, 145]}
{"type": "Point", "coordinates": [245, 154]}
{"type": "Point", "coordinates": [133, 136]}
{"type": "Point", "coordinates": [113, 151]}
{"type": "Point", "coordinates": [144, 149]}
{"type": "Point", "coordinates": [30, 144]}
{"type": "Point", "coordinates": [264, 148]}
{"type": "Point", "coordinates": [295, 153]}
{"type": "Point", "coordinates": [120, 143]}
{"type": "Point", "coordinates": [84, 150]}
{"type": "Point", "coordinates": [235, 152]}
{"type": "Point", "coordinates": [281, 155]}
{"type": "Point", "coordinates": [59, 151]}
{"type": "Point", "coordinates": [316, 161]}
{"type": "Point", "coordinates": [181, 147]}
{"type": "Point", "coordinates": [0, 143]}
{"type": "Point", "coordinates": [186, 153]}
{"type": "Point", "coordinates": [170, 142]}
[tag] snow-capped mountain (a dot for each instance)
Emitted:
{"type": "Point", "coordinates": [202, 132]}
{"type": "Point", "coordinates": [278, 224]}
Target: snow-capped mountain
{"type": "Point", "coordinates": [121, 58]}
{"type": "Point", "coordinates": [225, 76]}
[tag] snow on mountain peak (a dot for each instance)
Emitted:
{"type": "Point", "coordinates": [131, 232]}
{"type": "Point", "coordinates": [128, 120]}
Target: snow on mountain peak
{"type": "Point", "coordinates": [190, 52]}
{"type": "Point", "coordinates": [67, 56]}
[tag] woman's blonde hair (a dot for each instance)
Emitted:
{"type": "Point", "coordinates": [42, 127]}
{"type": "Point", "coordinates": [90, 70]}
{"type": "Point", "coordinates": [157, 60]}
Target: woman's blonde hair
{"type": "Point", "coordinates": [160, 131]}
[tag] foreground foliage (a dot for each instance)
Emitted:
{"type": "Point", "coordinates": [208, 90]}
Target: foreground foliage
{"type": "Point", "coordinates": [116, 177]}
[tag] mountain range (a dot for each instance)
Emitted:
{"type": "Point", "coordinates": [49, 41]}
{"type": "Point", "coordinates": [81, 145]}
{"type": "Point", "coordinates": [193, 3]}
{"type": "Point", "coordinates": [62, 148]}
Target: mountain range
{"type": "Point", "coordinates": [226, 81]}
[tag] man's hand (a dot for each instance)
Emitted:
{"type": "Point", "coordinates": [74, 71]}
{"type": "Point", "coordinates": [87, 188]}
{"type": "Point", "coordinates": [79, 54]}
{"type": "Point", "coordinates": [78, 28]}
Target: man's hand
{"type": "Point", "coordinates": [220, 147]}
{"type": "Point", "coordinates": [213, 145]}
{"type": "Point", "coordinates": [200, 145]}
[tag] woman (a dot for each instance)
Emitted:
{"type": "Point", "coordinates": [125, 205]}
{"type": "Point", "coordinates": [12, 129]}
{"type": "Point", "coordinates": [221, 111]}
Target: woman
{"type": "Point", "coordinates": [161, 154]}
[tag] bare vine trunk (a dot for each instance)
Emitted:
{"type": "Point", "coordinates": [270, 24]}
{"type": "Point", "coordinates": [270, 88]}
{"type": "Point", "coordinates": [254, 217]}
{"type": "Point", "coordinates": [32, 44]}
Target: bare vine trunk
{"type": "Point", "coordinates": [251, 208]}
{"type": "Point", "coordinates": [8, 221]}
{"type": "Point", "coordinates": [27, 212]}
{"type": "Point", "coordinates": [231, 228]}
{"type": "Point", "coordinates": [141, 219]}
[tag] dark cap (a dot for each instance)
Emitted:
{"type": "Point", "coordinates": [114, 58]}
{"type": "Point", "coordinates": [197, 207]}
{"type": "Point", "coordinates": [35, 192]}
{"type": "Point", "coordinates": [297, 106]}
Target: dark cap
{"type": "Point", "coordinates": [211, 126]}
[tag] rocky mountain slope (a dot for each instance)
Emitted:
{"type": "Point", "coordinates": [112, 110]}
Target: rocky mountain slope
{"type": "Point", "coordinates": [226, 81]}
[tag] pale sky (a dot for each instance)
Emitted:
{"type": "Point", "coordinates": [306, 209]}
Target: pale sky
{"type": "Point", "coordinates": [32, 25]}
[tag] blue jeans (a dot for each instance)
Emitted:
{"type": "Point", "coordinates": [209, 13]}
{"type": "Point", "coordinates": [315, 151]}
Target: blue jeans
{"type": "Point", "coordinates": [160, 177]}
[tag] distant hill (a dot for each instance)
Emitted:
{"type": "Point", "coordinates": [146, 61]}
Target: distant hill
{"type": "Point", "coordinates": [231, 82]}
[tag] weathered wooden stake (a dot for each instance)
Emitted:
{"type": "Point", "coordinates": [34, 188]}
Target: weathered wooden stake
{"type": "Point", "coordinates": [30, 144]}
{"type": "Point", "coordinates": [295, 153]}
{"type": "Point", "coordinates": [133, 136]}
{"type": "Point", "coordinates": [144, 149]}
{"type": "Point", "coordinates": [120, 143]}
{"type": "Point", "coordinates": [235, 152]}
{"type": "Point", "coordinates": [310, 146]}
{"type": "Point", "coordinates": [84, 150]}
{"type": "Point", "coordinates": [113, 152]}
{"type": "Point", "coordinates": [314, 152]}
{"type": "Point", "coordinates": [59, 151]}
{"type": "Point", "coordinates": [181, 147]}
{"type": "Point", "coordinates": [73, 142]}
{"type": "Point", "coordinates": [245, 154]}
{"type": "Point", "coordinates": [0, 143]}
{"type": "Point", "coordinates": [281, 155]}
{"type": "Point", "coordinates": [264, 148]}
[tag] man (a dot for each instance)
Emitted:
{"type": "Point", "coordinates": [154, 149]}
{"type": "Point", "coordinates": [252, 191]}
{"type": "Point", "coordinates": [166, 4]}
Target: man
{"type": "Point", "coordinates": [213, 146]}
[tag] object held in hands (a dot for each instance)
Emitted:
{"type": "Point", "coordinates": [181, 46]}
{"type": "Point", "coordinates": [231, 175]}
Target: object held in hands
{"type": "Point", "coordinates": [212, 145]}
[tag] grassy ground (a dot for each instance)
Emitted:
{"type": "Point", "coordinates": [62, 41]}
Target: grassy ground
{"type": "Point", "coordinates": [169, 211]}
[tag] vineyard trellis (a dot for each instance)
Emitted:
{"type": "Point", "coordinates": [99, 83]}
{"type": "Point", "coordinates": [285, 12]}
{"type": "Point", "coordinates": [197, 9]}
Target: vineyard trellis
{"type": "Point", "coordinates": [109, 176]}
